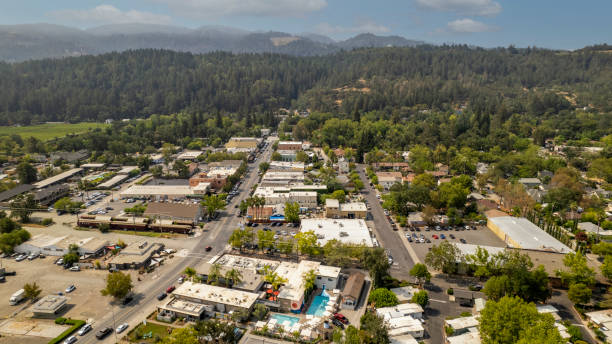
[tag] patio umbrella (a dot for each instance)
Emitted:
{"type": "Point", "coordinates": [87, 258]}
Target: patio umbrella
{"type": "Point", "coordinates": [276, 292]}
{"type": "Point", "coordinates": [269, 291]}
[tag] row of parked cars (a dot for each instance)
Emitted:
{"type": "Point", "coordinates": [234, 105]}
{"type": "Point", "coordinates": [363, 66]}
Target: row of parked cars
{"type": "Point", "coordinates": [23, 256]}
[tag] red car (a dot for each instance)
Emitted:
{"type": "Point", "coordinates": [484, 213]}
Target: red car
{"type": "Point", "coordinates": [170, 289]}
{"type": "Point", "coordinates": [434, 236]}
{"type": "Point", "coordinates": [208, 248]}
{"type": "Point", "coordinates": [341, 318]}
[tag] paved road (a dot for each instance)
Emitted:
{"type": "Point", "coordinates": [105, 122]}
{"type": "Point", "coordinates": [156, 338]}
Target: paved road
{"type": "Point", "coordinates": [218, 232]}
{"type": "Point", "coordinates": [386, 236]}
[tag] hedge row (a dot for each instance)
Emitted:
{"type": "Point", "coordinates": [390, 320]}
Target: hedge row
{"type": "Point", "coordinates": [76, 324]}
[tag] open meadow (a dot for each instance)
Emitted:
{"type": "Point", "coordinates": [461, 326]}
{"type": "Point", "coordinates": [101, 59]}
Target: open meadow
{"type": "Point", "coordinates": [50, 131]}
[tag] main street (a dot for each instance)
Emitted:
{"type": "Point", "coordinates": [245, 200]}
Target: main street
{"type": "Point", "coordinates": [386, 236]}
{"type": "Point", "coordinates": [216, 235]}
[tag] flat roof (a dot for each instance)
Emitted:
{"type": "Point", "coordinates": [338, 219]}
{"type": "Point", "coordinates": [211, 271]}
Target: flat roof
{"type": "Point", "coordinates": [600, 317]}
{"type": "Point", "coordinates": [289, 142]}
{"type": "Point", "coordinates": [328, 271]}
{"type": "Point", "coordinates": [350, 231]}
{"type": "Point", "coordinates": [49, 304]}
{"type": "Point", "coordinates": [593, 228]}
{"type": "Point", "coordinates": [403, 339]}
{"type": "Point", "coordinates": [250, 279]}
{"type": "Point", "coordinates": [57, 178]}
{"type": "Point", "coordinates": [353, 206]}
{"type": "Point", "coordinates": [114, 181]}
{"type": "Point", "coordinates": [408, 323]}
{"type": "Point", "coordinates": [211, 293]}
{"type": "Point", "coordinates": [471, 337]}
{"type": "Point", "coordinates": [250, 263]}
{"type": "Point", "coordinates": [17, 190]}
{"type": "Point", "coordinates": [127, 169]}
{"type": "Point", "coordinates": [184, 306]}
{"type": "Point", "coordinates": [173, 190]}
{"type": "Point", "coordinates": [173, 210]}
{"type": "Point", "coordinates": [332, 202]}
{"type": "Point", "coordinates": [93, 165]}
{"type": "Point", "coordinates": [527, 235]}
{"type": "Point", "coordinates": [462, 322]}
{"type": "Point", "coordinates": [189, 154]}
{"type": "Point", "coordinates": [294, 274]}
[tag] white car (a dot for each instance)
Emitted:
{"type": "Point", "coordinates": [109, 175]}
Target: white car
{"type": "Point", "coordinates": [122, 327]}
{"type": "Point", "coordinates": [70, 288]}
{"type": "Point", "coordinates": [75, 268]}
{"type": "Point", "coordinates": [70, 340]}
{"type": "Point", "coordinates": [86, 328]}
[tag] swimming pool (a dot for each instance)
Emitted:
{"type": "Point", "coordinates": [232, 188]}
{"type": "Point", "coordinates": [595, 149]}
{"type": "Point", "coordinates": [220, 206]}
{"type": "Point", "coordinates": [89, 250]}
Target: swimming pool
{"type": "Point", "coordinates": [281, 319]}
{"type": "Point", "coordinates": [317, 307]}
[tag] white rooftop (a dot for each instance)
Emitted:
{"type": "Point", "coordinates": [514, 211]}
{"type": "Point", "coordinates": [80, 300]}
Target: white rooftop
{"type": "Point", "coordinates": [350, 231]}
{"type": "Point", "coordinates": [328, 271]}
{"type": "Point", "coordinates": [462, 322]}
{"type": "Point", "coordinates": [172, 190]}
{"type": "Point", "coordinates": [353, 206]}
{"type": "Point", "coordinates": [189, 154]}
{"type": "Point", "coordinates": [127, 169]}
{"type": "Point", "coordinates": [471, 337]}
{"type": "Point", "coordinates": [57, 178]}
{"type": "Point", "coordinates": [403, 339]}
{"type": "Point", "coordinates": [294, 274]}
{"type": "Point", "coordinates": [113, 181]}
{"type": "Point", "coordinates": [211, 293]}
{"type": "Point", "coordinates": [600, 317]}
{"type": "Point", "coordinates": [527, 235]}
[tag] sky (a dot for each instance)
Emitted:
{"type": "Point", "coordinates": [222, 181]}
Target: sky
{"type": "Point", "coordinates": [556, 24]}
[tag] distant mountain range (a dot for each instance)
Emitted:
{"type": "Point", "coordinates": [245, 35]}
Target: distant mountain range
{"type": "Point", "coordinates": [38, 41]}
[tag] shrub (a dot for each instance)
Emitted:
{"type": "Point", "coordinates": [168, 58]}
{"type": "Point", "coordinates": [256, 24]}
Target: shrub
{"type": "Point", "coordinates": [76, 324]}
{"type": "Point", "coordinates": [60, 321]}
{"type": "Point", "coordinates": [47, 222]}
{"type": "Point", "coordinates": [449, 331]}
{"type": "Point", "coordinates": [450, 291]}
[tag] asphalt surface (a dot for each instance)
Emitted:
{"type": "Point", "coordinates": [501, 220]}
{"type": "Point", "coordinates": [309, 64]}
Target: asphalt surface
{"type": "Point", "coordinates": [386, 236]}
{"type": "Point", "coordinates": [216, 235]}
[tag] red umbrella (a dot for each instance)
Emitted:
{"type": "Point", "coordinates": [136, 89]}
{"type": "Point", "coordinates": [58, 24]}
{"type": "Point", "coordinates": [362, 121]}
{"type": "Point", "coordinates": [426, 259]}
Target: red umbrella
{"type": "Point", "coordinates": [276, 292]}
{"type": "Point", "coordinates": [271, 298]}
{"type": "Point", "coordinates": [269, 291]}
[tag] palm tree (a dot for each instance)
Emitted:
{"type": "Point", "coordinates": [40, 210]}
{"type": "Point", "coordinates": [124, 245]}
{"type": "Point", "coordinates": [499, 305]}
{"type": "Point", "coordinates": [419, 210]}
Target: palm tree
{"type": "Point", "coordinates": [234, 276]}
{"type": "Point", "coordinates": [274, 279]}
{"type": "Point", "coordinates": [213, 274]}
{"type": "Point", "coordinates": [250, 203]}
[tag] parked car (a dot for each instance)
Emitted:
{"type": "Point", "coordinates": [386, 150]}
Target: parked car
{"type": "Point", "coordinates": [70, 340]}
{"type": "Point", "coordinates": [161, 296]}
{"type": "Point", "coordinates": [122, 327]}
{"type": "Point", "coordinates": [170, 289]}
{"type": "Point", "coordinates": [341, 317]}
{"type": "Point", "coordinates": [442, 236]}
{"type": "Point", "coordinates": [451, 236]}
{"type": "Point", "coordinates": [208, 248]}
{"type": "Point", "coordinates": [103, 333]}
{"type": "Point", "coordinates": [21, 257]}
{"type": "Point", "coordinates": [75, 268]}
{"type": "Point", "coordinates": [462, 241]}
{"type": "Point", "coordinates": [32, 256]}
{"type": "Point", "coordinates": [127, 300]}
{"type": "Point", "coordinates": [337, 323]}
{"type": "Point", "coordinates": [70, 288]}
{"type": "Point", "coordinates": [435, 236]}
{"type": "Point", "coordinates": [86, 328]}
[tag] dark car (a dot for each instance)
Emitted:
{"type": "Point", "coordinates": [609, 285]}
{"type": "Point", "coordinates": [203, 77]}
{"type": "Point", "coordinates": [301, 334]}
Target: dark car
{"type": "Point", "coordinates": [103, 333]}
{"type": "Point", "coordinates": [337, 323]}
{"type": "Point", "coordinates": [161, 296]}
{"type": "Point", "coordinates": [208, 248]}
{"type": "Point", "coordinates": [475, 287]}
{"type": "Point", "coordinates": [462, 241]}
{"type": "Point", "coordinates": [127, 300]}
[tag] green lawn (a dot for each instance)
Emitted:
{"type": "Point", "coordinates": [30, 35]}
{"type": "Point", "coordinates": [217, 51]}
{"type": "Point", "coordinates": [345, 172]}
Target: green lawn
{"type": "Point", "coordinates": [159, 330]}
{"type": "Point", "coordinates": [50, 131]}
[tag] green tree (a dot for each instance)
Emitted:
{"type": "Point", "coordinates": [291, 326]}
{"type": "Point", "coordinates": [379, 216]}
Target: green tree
{"type": "Point", "coordinates": [602, 248]}
{"type": "Point", "coordinates": [578, 272]}
{"type": "Point", "coordinates": [31, 291]}
{"type": "Point", "coordinates": [606, 267]}
{"type": "Point", "coordinates": [190, 272]}
{"type": "Point", "coordinates": [26, 173]}
{"type": "Point", "coordinates": [233, 277]}
{"type": "Point", "coordinates": [213, 330]}
{"type": "Point", "coordinates": [340, 195]}
{"type": "Point", "coordinates": [213, 203]}
{"type": "Point", "coordinates": [23, 206]}
{"type": "Point", "coordinates": [376, 262]}
{"type": "Point", "coordinates": [214, 274]}
{"type": "Point", "coordinates": [260, 311]}
{"type": "Point", "coordinates": [419, 270]}
{"type": "Point", "coordinates": [579, 293]}
{"type": "Point", "coordinates": [512, 320]}
{"type": "Point", "coordinates": [309, 281]}
{"type": "Point", "coordinates": [444, 257]}
{"type": "Point", "coordinates": [264, 166]}
{"type": "Point", "coordinates": [186, 335]}
{"type": "Point", "coordinates": [421, 298]}
{"type": "Point", "coordinates": [497, 287]}
{"type": "Point", "coordinates": [292, 212]}
{"type": "Point", "coordinates": [265, 239]}
{"type": "Point", "coordinates": [67, 205]}
{"type": "Point", "coordinates": [374, 329]}
{"type": "Point", "coordinates": [307, 242]}
{"type": "Point", "coordinates": [382, 297]}
{"type": "Point", "coordinates": [273, 278]}
{"type": "Point", "coordinates": [118, 285]}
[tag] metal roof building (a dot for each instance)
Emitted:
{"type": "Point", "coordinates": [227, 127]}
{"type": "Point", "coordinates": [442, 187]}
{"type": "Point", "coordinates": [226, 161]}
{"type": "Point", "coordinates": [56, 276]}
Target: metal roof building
{"type": "Point", "coordinates": [518, 232]}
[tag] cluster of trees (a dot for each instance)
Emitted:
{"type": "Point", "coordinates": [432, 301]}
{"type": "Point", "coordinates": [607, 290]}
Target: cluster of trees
{"type": "Point", "coordinates": [11, 233]}
{"type": "Point", "coordinates": [373, 330]}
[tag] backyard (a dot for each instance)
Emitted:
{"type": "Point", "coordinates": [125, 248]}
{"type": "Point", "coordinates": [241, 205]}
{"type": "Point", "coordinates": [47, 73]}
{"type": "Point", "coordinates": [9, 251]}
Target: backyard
{"type": "Point", "coordinates": [149, 333]}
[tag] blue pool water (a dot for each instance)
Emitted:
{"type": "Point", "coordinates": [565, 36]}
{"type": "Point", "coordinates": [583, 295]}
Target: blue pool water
{"type": "Point", "coordinates": [281, 318]}
{"type": "Point", "coordinates": [317, 307]}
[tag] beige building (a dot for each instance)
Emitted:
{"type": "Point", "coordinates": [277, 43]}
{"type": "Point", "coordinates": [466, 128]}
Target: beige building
{"type": "Point", "coordinates": [243, 143]}
{"type": "Point", "coordinates": [274, 196]}
{"type": "Point", "coordinates": [354, 210]}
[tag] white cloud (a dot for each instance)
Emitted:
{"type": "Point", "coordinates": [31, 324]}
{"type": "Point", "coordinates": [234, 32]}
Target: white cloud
{"type": "Point", "coordinates": [463, 7]}
{"type": "Point", "coordinates": [107, 14]}
{"type": "Point", "coordinates": [366, 26]}
{"type": "Point", "coordinates": [212, 8]}
{"type": "Point", "coordinates": [467, 25]}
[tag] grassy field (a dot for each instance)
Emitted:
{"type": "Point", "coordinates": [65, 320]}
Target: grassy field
{"type": "Point", "coordinates": [50, 131]}
{"type": "Point", "coordinates": [156, 330]}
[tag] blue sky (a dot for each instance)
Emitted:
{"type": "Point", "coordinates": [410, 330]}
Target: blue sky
{"type": "Point", "coordinates": [559, 24]}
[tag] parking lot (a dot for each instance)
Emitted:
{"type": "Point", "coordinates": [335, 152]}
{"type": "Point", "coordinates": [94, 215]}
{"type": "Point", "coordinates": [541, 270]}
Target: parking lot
{"type": "Point", "coordinates": [479, 236]}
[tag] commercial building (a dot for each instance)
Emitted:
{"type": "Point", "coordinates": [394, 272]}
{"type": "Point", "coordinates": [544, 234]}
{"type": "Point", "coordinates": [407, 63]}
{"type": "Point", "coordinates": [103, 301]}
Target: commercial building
{"type": "Point", "coordinates": [243, 142]}
{"type": "Point", "coordinates": [348, 231]}
{"type": "Point", "coordinates": [388, 179]}
{"type": "Point", "coordinates": [189, 155]}
{"type": "Point", "coordinates": [49, 306]}
{"type": "Point", "coordinates": [603, 320]}
{"type": "Point", "coordinates": [157, 192]}
{"type": "Point", "coordinates": [290, 145]}
{"type": "Point", "coordinates": [256, 265]}
{"type": "Point", "coordinates": [59, 246]}
{"type": "Point", "coordinates": [136, 255]}
{"type": "Point", "coordinates": [216, 177]}
{"type": "Point", "coordinates": [127, 169]}
{"type": "Point", "coordinates": [114, 181]}
{"type": "Point", "coordinates": [291, 296]}
{"type": "Point", "coordinates": [137, 223]}
{"type": "Point", "coordinates": [280, 178]}
{"type": "Point", "coordinates": [294, 166]}
{"type": "Point", "coordinates": [189, 213]}
{"type": "Point", "coordinates": [412, 310]}
{"type": "Point", "coordinates": [49, 195]}
{"type": "Point", "coordinates": [518, 232]}
{"type": "Point", "coordinates": [93, 166]}
{"type": "Point", "coordinates": [274, 196]}
{"type": "Point", "coordinates": [59, 178]}
{"type": "Point", "coordinates": [352, 290]}
{"type": "Point", "coordinates": [250, 280]}
{"type": "Point", "coordinates": [193, 300]}
{"type": "Point", "coordinates": [17, 190]}
{"type": "Point", "coordinates": [354, 210]}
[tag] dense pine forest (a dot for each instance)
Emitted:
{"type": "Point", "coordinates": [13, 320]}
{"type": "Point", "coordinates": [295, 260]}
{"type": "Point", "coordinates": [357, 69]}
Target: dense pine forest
{"type": "Point", "coordinates": [396, 81]}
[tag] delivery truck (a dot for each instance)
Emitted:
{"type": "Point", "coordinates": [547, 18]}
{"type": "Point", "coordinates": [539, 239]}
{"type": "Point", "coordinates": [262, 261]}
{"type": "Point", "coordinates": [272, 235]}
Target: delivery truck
{"type": "Point", "coordinates": [18, 296]}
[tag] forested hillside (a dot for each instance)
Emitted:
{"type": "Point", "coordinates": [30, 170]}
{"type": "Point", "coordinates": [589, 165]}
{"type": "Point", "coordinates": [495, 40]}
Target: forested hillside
{"type": "Point", "coordinates": [399, 82]}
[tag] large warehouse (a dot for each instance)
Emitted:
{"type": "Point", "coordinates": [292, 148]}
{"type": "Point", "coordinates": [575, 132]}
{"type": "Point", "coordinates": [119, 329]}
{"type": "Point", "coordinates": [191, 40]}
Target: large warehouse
{"type": "Point", "coordinates": [518, 232]}
{"type": "Point", "coordinates": [348, 231]}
